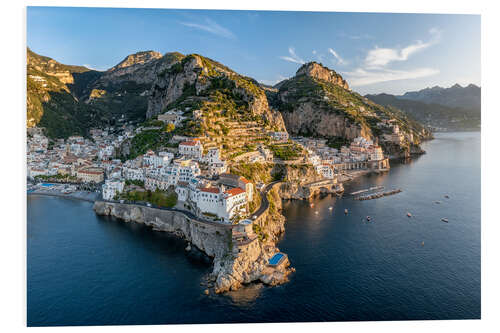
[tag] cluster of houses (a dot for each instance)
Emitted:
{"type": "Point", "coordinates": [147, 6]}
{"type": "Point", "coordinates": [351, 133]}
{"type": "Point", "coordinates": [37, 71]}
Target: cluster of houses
{"type": "Point", "coordinates": [215, 193]}
{"type": "Point", "coordinates": [86, 160]}
{"type": "Point", "coordinates": [360, 154]}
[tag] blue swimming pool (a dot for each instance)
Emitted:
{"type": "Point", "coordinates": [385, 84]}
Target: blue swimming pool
{"type": "Point", "coordinates": [276, 259]}
{"type": "Point", "coordinates": [47, 185]}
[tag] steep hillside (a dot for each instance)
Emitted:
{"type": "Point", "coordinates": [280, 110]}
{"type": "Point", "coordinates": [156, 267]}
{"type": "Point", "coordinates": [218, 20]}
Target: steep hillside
{"type": "Point", "coordinates": [317, 102]}
{"type": "Point", "coordinates": [50, 103]}
{"type": "Point", "coordinates": [218, 104]}
{"type": "Point", "coordinates": [68, 100]}
{"type": "Point", "coordinates": [456, 96]}
{"type": "Point", "coordinates": [432, 115]}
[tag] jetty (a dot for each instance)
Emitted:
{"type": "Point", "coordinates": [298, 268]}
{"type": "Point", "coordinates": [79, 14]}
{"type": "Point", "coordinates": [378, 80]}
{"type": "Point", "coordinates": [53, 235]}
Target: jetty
{"type": "Point", "coordinates": [374, 188]}
{"type": "Point", "coordinates": [378, 195]}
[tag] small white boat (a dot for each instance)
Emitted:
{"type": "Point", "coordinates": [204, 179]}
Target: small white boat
{"type": "Point", "coordinates": [444, 219]}
{"type": "Point", "coordinates": [316, 212]}
{"type": "Point", "coordinates": [330, 208]}
{"type": "Point", "coordinates": [408, 214]}
{"type": "Point", "coordinates": [311, 205]}
{"type": "Point", "coordinates": [346, 211]}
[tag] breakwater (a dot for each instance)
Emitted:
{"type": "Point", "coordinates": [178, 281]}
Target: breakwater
{"type": "Point", "coordinates": [378, 195]}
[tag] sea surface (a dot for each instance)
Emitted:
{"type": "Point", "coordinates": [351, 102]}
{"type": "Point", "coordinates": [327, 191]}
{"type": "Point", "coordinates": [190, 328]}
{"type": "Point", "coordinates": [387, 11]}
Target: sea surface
{"type": "Point", "coordinates": [84, 269]}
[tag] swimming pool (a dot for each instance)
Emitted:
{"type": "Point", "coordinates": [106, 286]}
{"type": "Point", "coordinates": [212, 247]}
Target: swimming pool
{"type": "Point", "coordinates": [47, 185]}
{"type": "Point", "coordinates": [276, 259]}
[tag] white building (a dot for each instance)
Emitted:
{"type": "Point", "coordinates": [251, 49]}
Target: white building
{"type": "Point", "coordinates": [279, 136]}
{"type": "Point", "coordinates": [377, 154]}
{"type": "Point", "coordinates": [225, 204]}
{"type": "Point", "coordinates": [192, 149]}
{"type": "Point", "coordinates": [132, 173]}
{"type": "Point", "coordinates": [111, 188]}
{"type": "Point", "coordinates": [325, 170]}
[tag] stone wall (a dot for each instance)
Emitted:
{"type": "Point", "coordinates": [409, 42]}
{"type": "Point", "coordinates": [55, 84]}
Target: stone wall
{"type": "Point", "coordinates": [231, 268]}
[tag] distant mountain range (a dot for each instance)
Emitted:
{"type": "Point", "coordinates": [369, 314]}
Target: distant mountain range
{"type": "Point", "coordinates": [454, 108]}
{"type": "Point", "coordinates": [456, 96]}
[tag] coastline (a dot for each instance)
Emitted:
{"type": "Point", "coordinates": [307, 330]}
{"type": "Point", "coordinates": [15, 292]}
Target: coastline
{"type": "Point", "coordinates": [75, 195]}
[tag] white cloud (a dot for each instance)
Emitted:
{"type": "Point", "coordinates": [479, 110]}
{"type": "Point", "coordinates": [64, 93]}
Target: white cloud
{"type": "Point", "coordinates": [293, 57]}
{"type": "Point", "coordinates": [362, 77]}
{"type": "Point", "coordinates": [379, 57]}
{"type": "Point", "coordinates": [211, 27]}
{"type": "Point", "coordinates": [273, 82]}
{"type": "Point", "coordinates": [340, 61]}
{"type": "Point", "coordinates": [97, 68]}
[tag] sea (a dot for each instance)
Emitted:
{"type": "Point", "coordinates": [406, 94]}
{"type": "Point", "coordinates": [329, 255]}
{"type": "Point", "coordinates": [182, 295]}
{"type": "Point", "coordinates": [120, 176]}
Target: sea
{"type": "Point", "coordinates": [84, 269]}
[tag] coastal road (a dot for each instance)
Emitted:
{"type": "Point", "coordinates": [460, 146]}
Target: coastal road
{"type": "Point", "coordinates": [264, 203]}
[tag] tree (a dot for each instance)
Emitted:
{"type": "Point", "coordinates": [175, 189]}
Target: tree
{"type": "Point", "coordinates": [169, 127]}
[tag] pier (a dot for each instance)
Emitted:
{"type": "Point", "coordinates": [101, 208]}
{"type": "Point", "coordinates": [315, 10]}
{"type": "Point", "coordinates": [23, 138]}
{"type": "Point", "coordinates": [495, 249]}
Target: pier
{"type": "Point", "coordinates": [378, 195]}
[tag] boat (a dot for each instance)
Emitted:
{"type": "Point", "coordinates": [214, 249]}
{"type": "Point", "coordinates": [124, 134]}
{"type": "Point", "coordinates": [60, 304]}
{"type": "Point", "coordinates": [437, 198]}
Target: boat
{"type": "Point", "coordinates": [311, 205]}
{"type": "Point", "coordinates": [368, 218]}
{"type": "Point", "coordinates": [447, 196]}
{"type": "Point", "coordinates": [316, 212]}
{"type": "Point", "coordinates": [444, 219]}
{"type": "Point", "coordinates": [408, 214]}
{"type": "Point", "coordinates": [345, 211]}
{"type": "Point", "coordinates": [438, 202]}
{"type": "Point", "coordinates": [422, 243]}
{"type": "Point", "coordinates": [330, 208]}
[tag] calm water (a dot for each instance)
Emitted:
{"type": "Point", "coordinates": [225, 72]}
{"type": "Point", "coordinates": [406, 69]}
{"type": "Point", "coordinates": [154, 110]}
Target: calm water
{"type": "Point", "coordinates": [89, 270]}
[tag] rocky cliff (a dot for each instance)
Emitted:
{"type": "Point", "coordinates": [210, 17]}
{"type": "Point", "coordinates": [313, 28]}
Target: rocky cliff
{"type": "Point", "coordinates": [200, 82]}
{"type": "Point", "coordinates": [234, 264]}
{"type": "Point", "coordinates": [317, 102]}
{"type": "Point", "coordinates": [319, 72]}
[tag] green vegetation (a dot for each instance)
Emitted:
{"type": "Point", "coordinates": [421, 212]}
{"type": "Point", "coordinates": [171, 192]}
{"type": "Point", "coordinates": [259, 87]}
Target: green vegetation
{"type": "Point", "coordinates": [157, 198]}
{"type": "Point", "coordinates": [153, 139]}
{"type": "Point", "coordinates": [286, 152]}
{"type": "Point", "coordinates": [255, 172]}
{"type": "Point", "coordinates": [134, 182]}
{"type": "Point", "coordinates": [337, 142]}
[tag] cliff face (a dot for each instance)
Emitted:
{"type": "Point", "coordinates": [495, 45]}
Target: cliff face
{"type": "Point", "coordinates": [306, 120]}
{"type": "Point", "coordinates": [317, 102]}
{"type": "Point", "coordinates": [233, 265]}
{"type": "Point", "coordinates": [199, 82]}
{"type": "Point", "coordinates": [319, 72]}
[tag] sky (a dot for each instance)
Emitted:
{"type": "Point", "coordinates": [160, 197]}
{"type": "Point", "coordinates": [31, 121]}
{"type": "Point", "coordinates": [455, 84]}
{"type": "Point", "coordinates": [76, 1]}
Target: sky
{"type": "Point", "coordinates": [374, 52]}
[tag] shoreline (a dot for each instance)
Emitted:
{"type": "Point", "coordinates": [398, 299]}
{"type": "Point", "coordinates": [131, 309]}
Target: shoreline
{"type": "Point", "coordinates": [65, 196]}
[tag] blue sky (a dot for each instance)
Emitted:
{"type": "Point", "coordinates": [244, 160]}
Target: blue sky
{"type": "Point", "coordinates": [390, 53]}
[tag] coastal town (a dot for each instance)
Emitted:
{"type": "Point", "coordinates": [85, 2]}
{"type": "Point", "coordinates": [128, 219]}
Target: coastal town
{"type": "Point", "coordinates": [188, 175]}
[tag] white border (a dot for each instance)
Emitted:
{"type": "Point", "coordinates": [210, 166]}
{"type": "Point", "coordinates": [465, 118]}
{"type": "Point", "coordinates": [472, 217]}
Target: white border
{"type": "Point", "coordinates": [13, 231]}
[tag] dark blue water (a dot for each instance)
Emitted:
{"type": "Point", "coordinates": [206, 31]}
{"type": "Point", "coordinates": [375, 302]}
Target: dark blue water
{"type": "Point", "coordinates": [89, 270]}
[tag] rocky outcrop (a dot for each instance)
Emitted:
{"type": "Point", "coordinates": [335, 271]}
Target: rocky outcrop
{"type": "Point", "coordinates": [317, 71]}
{"type": "Point", "coordinates": [234, 263]}
{"type": "Point", "coordinates": [138, 58]}
{"type": "Point", "coordinates": [196, 78]}
{"type": "Point", "coordinates": [307, 119]}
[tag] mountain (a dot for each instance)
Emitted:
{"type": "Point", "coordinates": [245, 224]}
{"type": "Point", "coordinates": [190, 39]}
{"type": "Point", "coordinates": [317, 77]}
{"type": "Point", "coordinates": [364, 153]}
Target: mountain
{"type": "Point", "coordinates": [68, 100]}
{"type": "Point", "coordinates": [456, 96]}
{"type": "Point", "coordinates": [50, 103]}
{"type": "Point", "coordinates": [318, 102]}
{"type": "Point", "coordinates": [432, 115]}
